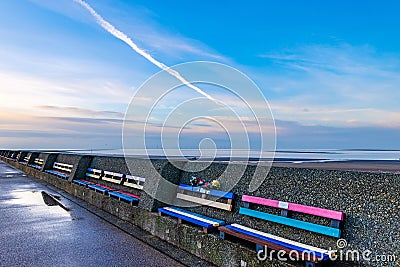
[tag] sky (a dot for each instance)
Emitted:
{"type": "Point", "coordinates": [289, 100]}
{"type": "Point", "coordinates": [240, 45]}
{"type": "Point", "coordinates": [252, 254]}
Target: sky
{"type": "Point", "coordinates": [330, 70]}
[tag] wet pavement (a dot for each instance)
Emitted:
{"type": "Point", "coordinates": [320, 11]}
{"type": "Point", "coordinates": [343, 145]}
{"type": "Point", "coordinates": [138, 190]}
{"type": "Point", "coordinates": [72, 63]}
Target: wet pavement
{"type": "Point", "coordinates": [33, 233]}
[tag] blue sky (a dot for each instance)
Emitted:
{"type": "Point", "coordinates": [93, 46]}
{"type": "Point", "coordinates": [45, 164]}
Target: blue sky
{"type": "Point", "coordinates": [329, 69]}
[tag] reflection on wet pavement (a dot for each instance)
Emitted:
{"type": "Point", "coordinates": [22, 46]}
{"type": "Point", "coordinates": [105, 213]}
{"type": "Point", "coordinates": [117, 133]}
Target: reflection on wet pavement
{"type": "Point", "coordinates": [36, 234]}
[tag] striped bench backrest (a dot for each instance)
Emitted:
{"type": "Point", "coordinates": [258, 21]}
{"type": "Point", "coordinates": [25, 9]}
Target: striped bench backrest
{"type": "Point", "coordinates": [333, 230]}
{"type": "Point", "coordinates": [112, 177]}
{"type": "Point", "coordinates": [134, 182]}
{"type": "Point", "coordinates": [63, 167]}
{"type": "Point", "coordinates": [94, 173]}
{"type": "Point", "coordinates": [39, 161]}
{"type": "Point", "coordinates": [117, 178]}
{"type": "Point", "coordinates": [205, 197]}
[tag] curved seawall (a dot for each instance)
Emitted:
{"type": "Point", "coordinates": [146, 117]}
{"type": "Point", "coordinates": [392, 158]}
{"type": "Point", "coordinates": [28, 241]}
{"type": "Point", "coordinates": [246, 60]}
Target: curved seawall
{"type": "Point", "coordinates": [371, 202]}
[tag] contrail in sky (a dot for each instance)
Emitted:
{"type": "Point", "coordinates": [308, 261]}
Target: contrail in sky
{"type": "Point", "coordinates": [123, 37]}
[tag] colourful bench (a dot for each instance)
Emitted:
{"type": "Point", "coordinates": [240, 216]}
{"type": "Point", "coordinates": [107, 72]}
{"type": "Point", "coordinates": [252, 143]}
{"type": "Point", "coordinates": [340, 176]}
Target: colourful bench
{"type": "Point", "coordinates": [311, 255]}
{"type": "Point", "coordinates": [90, 173]}
{"type": "Point", "coordinates": [203, 197]}
{"type": "Point", "coordinates": [61, 170]}
{"type": "Point", "coordinates": [94, 173]}
{"type": "Point", "coordinates": [97, 175]}
{"type": "Point", "coordinates": [37, 164]}
{"type": "Point", "coordinates": [108, 176]}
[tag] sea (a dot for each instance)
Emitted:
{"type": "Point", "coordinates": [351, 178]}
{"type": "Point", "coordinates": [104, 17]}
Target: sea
{"type": "Point", "coordinates": [282, 155]}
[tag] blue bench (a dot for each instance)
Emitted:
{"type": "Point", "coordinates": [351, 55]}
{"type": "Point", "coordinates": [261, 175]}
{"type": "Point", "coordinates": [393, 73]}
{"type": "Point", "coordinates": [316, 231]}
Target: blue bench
{"type": "Point", "coordinates": [203, 197]}
{"type": "Point", "coordinates": [37, 164]}
{"type": "Point", "coordinates": [61, 170]}
{"type": "Point", "coordinates": [313, 256]}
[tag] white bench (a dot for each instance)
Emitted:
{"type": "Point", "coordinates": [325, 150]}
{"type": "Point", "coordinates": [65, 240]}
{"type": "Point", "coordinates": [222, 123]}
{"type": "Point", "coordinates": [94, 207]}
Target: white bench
{"type": "Point", "coordinates": [61, 170]}
{"type": "Point", "coordinates": [134, 182]}
{"type": "Point", "coordinates": [112, 177]}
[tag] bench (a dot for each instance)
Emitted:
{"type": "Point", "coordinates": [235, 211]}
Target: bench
{"type": "Point", "coordinates": [311, 255]}
{"type": "Point", "coordinates": [134, 182]}
{"type": "Point", "coordinates": [13, 156]}
{"type": "Point", "coordinates": [112, 177]}
{"type": "Point", "coordinates": [94, 173]}
{"type": "Point", "coordinates": [61, 170]}
{"type": "Point", "coordinates": [108, 176]}
{"type": "Point", "coordinates": [90, 173]}
{"type": "Point", "coordinates": [37, 164]}
{"type": "Point", "coordinates": [203, 197]}
{"type": "Point", "coordinates": [25, 160]}
{"type": "Point", "coordinates": [124, 196]}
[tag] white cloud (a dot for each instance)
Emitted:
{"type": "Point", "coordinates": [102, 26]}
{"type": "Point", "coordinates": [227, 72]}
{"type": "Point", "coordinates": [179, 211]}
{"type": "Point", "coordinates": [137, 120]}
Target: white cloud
{"type": "Point", "coordinates": [343, 85]}
{"type": "Point", "coordinates": [23, 91]}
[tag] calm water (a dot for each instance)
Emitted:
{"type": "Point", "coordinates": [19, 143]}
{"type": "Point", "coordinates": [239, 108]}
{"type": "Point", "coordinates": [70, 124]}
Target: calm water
{"type": "Point", "coordinates": [281, 155]}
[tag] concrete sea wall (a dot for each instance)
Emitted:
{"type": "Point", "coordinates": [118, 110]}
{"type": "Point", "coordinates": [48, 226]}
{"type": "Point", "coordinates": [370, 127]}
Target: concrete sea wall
{"type": "Point", "coordinates": [371, 202]}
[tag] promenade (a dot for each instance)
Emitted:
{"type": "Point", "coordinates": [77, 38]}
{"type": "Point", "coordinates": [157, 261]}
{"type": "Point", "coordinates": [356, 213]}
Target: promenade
{"type": "Point", "coordinates": [36, 234]}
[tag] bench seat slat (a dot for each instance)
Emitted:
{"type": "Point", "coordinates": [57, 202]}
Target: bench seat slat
{"type": "Point", "coordinates": [123, 196]}
{"type": "Point", "coordinates": [211, 192]}
{"type": "Point", "coordinates": [281, 243]}
{"type": "Point", "coordinates": [36, 167]}
{"type": "Point", "coordinates": [82, 182]}
{"type": "Point", "coordinates": [129, 194]}
{"type": "Point", "coordinates": [334, 232]}
{"type": "Point", "coordinates": [330, 214]}
{"type": "Point", "coordinates": [206, 202]}
{"type": "Point", "coordinates": [57, 173]}
{"type": "Point", "coordinates": [191, 220]}
{"type": "Point", "coordinates": [200, 216]}
{"type": "Point", "coordinates": [190, 217]}
{"type": "Point", "coordinates": [277, 238]}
